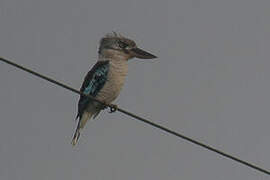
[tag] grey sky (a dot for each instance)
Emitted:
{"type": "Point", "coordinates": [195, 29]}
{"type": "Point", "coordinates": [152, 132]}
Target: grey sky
{"type": "Point", "coordinates": [210, 82]}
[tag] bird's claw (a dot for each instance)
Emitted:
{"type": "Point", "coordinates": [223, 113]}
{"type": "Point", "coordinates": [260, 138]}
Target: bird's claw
{"type": "Point", "coordinates": [113, 108]}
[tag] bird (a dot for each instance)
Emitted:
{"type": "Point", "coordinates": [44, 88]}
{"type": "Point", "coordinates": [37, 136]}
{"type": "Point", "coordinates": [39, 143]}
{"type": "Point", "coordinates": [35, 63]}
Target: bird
{"type": "Point", "coordinates": [106, 78]}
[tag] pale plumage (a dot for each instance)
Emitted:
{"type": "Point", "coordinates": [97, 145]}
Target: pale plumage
{"type": "Point", "coordinates": [105, 80]}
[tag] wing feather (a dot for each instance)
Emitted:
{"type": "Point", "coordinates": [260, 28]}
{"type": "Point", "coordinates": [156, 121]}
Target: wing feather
{"type": "Point", "coordinates": [93, 82]}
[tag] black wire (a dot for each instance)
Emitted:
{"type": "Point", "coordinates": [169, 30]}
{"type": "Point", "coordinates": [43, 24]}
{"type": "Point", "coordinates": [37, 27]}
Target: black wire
{"type": "Point", "coordinates": [115, 108]}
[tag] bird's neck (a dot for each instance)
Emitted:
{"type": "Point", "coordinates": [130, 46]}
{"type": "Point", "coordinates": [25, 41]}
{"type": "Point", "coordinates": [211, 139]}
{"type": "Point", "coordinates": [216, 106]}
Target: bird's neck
{"type": "Point", "coordinates": [114, 59]}
{"type": "Point", "coordinates": [117, 65]}
{"type": "Point", "coordinates": [113, 55]}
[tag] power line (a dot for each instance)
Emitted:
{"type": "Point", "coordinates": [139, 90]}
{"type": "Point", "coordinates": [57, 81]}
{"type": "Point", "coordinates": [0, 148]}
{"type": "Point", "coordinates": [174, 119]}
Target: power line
{"type": "Point", "coordinates": [116, 108]}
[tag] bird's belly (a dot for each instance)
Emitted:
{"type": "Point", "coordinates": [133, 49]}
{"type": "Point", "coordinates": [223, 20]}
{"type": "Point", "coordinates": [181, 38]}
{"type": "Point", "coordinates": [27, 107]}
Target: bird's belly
{"type": "Point", "coordinates": [112, 88]}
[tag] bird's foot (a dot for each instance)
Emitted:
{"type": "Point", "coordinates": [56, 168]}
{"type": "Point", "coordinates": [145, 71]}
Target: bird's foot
{"type": "Point", "coordinates": [113, 108]}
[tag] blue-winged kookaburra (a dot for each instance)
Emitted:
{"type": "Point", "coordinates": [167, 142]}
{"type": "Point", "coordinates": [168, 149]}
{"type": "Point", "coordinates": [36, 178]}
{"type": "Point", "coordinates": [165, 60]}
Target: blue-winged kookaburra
{"type": "Point", "coordinates": [105, 80]}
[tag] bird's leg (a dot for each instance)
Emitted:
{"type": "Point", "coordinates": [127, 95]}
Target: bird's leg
{"type": "Point", "coordinates": [112, 107]}
{"type": "Point", "coordinates": [103, 105]}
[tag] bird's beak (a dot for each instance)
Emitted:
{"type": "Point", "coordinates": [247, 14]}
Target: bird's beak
{"type": "Point", "coordinates": [139, 53]}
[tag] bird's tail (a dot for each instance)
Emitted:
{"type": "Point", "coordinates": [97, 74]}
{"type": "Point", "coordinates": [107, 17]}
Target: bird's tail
{"type": "Point", "coordinates": [81, 123]}
{"type": "Point", "coordinates": [76, 137]}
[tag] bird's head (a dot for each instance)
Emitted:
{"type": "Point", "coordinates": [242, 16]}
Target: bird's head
{"type": "Point", "coordinates": [114, 46]}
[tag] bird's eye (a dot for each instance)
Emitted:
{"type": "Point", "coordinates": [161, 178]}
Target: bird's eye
{"type": "Point", "coordinates": [123, 45]}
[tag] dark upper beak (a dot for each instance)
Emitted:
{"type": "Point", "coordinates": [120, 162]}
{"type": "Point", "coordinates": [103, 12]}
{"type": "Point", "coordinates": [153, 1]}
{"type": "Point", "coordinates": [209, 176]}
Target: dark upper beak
{"type": "Point", "coordinates": [139, 53]}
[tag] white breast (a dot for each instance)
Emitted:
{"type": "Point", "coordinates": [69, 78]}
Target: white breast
{"type": "Point", "coordinates": [115, 81]}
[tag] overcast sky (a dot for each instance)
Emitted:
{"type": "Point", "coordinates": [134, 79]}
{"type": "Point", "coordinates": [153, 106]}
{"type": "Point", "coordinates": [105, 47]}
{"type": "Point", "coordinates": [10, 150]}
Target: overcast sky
{"type": "Point", "coordinates": [210, 82]}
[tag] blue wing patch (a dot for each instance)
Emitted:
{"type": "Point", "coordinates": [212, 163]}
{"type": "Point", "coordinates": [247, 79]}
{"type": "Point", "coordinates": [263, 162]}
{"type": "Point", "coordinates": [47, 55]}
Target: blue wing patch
{"type": "Point", "coordinates": [93, 82]}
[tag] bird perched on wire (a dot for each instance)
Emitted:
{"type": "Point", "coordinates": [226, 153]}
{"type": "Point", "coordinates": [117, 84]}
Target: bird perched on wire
{"type": "Point", "coordinates": [105, 80]}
